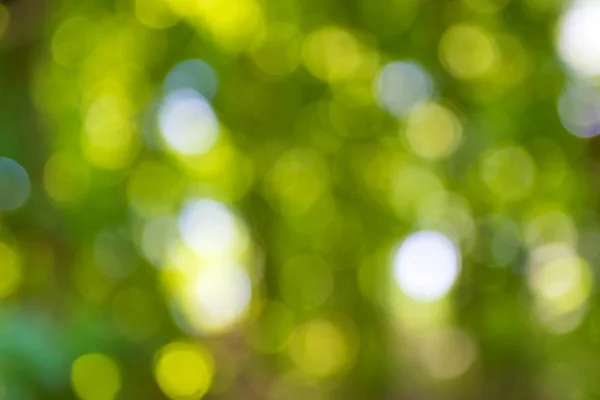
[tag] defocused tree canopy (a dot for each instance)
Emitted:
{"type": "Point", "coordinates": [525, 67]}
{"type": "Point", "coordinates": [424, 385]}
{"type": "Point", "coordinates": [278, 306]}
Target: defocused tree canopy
{"type": "Point", "coordinates": [299, 199]}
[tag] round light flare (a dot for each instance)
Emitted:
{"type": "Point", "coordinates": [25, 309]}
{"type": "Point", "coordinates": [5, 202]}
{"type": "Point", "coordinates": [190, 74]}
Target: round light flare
{"type": "Point", "coordinates": [509, 173]}
{"type": "Point", "coordinates": [560, 280]}
{"type": "Point", "coordinates": [426, 266]}
{"type": "Point", "coordinates": [10, 270]}
{"type": "Point", "coordinates": [468, 52]}
{"type": "Point", "coordinates": [320, 349]}
{"type": "Point", "coordinates": [402, 85]}
{"type": "Point", "coordinates": [579, 110]}
{"type": "Point", "coordinates": [578, 42]}
{"type": "Point", "coordinates": [447, 353]}
{"type": "Point", "coordinates": [109, 141]}
{"type": "Point", "coordinates": [280, 52]}
{"type": "Point", "coordinates": [65, 180]}
{"type": "Point", "coordinates": [447, 212]}
{"type": "Point", "coordinates": [157, 235]}
{"type": "Point", "coordinates": [217, 298]}
{"type": "Point", "coordinates": [306, 282]}
{"type": "Point", "coordinates": [552, 226]}
{"type": "Point", "coordinates": [71, 41]}
{"type": "Point", "coordinates": [420, 182]}
{"type": "Point", "coordinates": [184, 370]}
{"type": "Point", "coordinates": [15, 186]}
{"type": "Point", "coordinates": [433, 131]}
{"type": "Point", "coordinates": [332, 54]}
{"type": "Point", "coordinates": [188, 123]}
{"type": "Point", "coordinates": [192, 74]}
{"type": "Point", "coordinates": [95, 376]}
{"type": "Point", "coordinates": [297, 181]}
{"type": "Point", "coordinates": [210, 229]}
{"type": "Point", "coordinates": [560, 324]}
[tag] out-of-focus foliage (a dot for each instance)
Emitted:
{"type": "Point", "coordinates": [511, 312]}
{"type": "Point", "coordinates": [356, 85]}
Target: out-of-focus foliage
{"type": "Point", "coordinates": [286, 200]}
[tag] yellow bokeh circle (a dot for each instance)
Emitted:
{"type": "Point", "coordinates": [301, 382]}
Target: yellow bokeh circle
{"type": "Point", "coordinates": [320, 349]}
{"type": "Point", "coordinates": [433, 131]}
{"type": "Point", "coordinates": [468, 52]}
{"type": "Point", "coordinates": [95, 376]}
{"type": "Point", "coordinates": [332, 54]}
{"type": "Point", "coordinates": [184, 370]}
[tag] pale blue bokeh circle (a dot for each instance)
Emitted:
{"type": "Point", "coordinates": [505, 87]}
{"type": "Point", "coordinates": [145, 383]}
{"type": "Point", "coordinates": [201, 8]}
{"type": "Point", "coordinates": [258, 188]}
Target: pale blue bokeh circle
{"type": "Point", "coordinates": [15, 186]}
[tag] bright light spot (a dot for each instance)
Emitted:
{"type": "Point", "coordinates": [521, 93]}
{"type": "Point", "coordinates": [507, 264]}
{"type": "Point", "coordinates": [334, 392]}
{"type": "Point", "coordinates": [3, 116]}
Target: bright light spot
{"type": "Point", "coordinates": [184, 371]}
{"type": "Point", "coordinates": [579, 110]}
{"type": "Point", "coordinates": [95, 377]}
{"type": "Point", "coordinates": [433, 131]}
{"type": "Point", "coordinates": [578, 43]}
{"type": "Point", "coordinates": [426, 266]}
{"type": "Point", "coordinates": [10, 270]}
{"type": "Point", "coordinates": [192, 74]}
{"type": "Point", "coordinates": [188, 122]}
{"type": "Point", "coordinates": [216, 299]}
{"type": "Point", "coordinates": [447, 354]}
{"type": "Point", "coordinates": [223, 293]}
{"type": "Point", "coordinates": [509, 173]}
{"type": "Point", "coordinates": [210, 288]}
{"type": "Point", "coordinates": [320, 349]}
{"type": "Point", "coordinates": [468, 52]}
{"type": "Point", "coordinates": [210, 228]}
{"type": "Point", "coordinates": [15, 187]}
{"type": "Point", "coordinates": [561, 280]}
{"type": "Point", "coordinates": [401, 85]}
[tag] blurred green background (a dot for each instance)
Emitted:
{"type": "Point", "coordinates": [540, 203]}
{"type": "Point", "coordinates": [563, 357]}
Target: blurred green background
{"type": "Point", "coordinates": [290, 200]}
